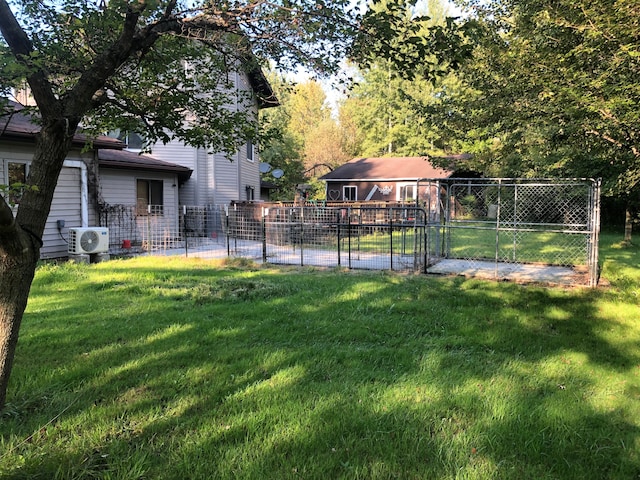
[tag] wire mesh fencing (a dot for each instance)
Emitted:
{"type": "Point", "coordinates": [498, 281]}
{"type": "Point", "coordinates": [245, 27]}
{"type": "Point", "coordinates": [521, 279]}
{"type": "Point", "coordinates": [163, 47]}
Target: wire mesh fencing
{"type": "Point", "coordinates": [512, 223]}
{"type": "Point", "coordinates": [526, 230]}
{"type": "Point", "coordinates": [136, 229]}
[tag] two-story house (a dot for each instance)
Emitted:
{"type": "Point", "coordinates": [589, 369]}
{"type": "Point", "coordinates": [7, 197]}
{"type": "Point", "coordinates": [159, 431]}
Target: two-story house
{"type": "Point", "coordinates": [112, 185]}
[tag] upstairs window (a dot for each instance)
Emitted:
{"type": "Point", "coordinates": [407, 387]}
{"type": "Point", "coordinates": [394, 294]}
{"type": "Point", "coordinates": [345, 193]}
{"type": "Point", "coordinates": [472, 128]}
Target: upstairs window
{"type": "Point", "coordinates": [134, 141]}
{"type": "Point", "coordinates": [250, 151]}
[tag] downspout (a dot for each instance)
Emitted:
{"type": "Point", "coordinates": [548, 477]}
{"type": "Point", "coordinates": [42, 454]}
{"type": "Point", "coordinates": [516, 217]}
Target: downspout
{"type": "Point", "coordinates": [238, 161]}
{"type": "Point", "coordinates": [84, 189]}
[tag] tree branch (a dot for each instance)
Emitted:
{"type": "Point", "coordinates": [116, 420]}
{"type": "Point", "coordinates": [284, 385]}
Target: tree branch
{"type": "Point", "coordinates": [22, 48]}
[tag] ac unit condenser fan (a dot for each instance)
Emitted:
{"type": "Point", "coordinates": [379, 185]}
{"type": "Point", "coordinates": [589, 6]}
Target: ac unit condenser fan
{"type": "Point", "coordinates": [89, 240]}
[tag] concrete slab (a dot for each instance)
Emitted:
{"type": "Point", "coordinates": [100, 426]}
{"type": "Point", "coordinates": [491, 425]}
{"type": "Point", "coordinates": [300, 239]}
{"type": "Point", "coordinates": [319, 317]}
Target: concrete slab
{"type": "Point", "coordinates": [287, 255]}
{"type": "Point", "coordinates": [526, 273]}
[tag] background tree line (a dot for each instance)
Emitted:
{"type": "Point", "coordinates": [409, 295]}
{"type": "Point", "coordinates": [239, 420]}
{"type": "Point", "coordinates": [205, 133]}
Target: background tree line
{"type": "Point", "coordinates": [551, 90]}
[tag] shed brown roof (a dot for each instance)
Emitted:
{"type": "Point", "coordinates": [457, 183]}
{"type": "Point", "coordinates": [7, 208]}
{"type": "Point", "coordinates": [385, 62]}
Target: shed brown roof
{"type": "Point", "coordinates": [391, 168]}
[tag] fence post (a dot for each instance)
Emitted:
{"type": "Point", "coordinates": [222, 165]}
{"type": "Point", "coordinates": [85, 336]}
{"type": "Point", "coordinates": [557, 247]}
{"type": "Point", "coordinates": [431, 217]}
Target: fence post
{"type": "Point", "coordinates": [338, 235]}
{"type": "Point", "coordinates": [391, 239]}
{"type": "Point", "coordinates": [594, 231]}
{"type": "Point", "coordinates": [184, 226]}
{"type": "Point", "coordinates": [349, 234]}
{"type": "Point", "coordinates": [265, 212]}
{"type": "Point", "coordinates": [226, 216]}
{"type": "Point", "coordinates": [301, 236]}
{"type": "Point", "coordinates": [498, 214]}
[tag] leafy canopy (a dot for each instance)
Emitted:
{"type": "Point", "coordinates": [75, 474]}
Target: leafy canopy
{"type": "Point", "coordinates": [141, 74]}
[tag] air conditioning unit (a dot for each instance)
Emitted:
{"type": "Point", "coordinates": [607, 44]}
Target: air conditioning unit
{"type": "Point", "coordinates": [88, 240]}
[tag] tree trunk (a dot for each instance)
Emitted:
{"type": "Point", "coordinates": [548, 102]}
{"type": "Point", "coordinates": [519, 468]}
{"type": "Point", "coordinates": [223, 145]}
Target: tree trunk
{"type": "Point", "coordinates": [21, 238]}
{"type": "Point", "coordinates": [18, 259]}
{"type": "Point", "coordinates": [628, 225]}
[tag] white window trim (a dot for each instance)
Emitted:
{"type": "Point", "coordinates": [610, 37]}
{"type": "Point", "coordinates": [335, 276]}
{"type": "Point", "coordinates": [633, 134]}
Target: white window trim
{"type": "Point", "coordinates": [344, 196]}
{"type": "Point", "coordinates": [399, 189]}
{"type": "Point", "coordinates": [254, 152]}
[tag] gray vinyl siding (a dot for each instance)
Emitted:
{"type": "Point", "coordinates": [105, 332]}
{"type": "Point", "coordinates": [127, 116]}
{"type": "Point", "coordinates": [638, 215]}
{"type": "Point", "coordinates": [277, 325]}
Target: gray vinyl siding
{"type": "Point", "coordinates": [119, 186]}
{"type": "Point", "coordinates": [66, 205]}
{"type": "Point", "coordinates": [226, 179]}
{"type": "Point", "coordinates": [67, 198]}
{"type": "Point", "coordinates": [177, 152]}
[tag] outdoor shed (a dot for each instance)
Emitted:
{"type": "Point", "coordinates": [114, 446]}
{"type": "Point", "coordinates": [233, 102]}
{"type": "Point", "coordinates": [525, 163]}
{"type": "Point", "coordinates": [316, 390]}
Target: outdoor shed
{"type": "Point", "coordinates": [387, 179]}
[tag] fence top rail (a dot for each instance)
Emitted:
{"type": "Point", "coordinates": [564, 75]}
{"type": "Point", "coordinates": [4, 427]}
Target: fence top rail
{"type": "Point", "coordinates": [512, 181]}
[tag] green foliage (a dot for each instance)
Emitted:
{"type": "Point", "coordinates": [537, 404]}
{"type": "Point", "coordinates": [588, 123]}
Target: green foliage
{"type": "Point", "coordinates": [12, 193]}
{"type": "Point", "coordinates": [407, 113]}
{"type": "Point", "coordinates": [300, 137]}
{"type": "Point", "coordinates": [556, 88]}
{"type": "Point", "coordinates": [284, 373]}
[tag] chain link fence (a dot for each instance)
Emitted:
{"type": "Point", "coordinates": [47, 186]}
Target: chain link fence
{"type": "Point", "coordinates": [528, 230]}
{"type": "Point", "coordinates": [512, 223]}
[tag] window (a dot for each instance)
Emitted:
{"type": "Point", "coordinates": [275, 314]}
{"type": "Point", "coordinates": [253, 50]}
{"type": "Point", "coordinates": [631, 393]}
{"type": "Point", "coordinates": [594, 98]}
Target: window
{"type": "Point", "coordinates": [407, 193]}
{"type": "Point", "coordinates": [133, 140]}
{"type": "Point", "coordinates": [16, 173]}
{"type": "Point", "coordinates": [251, 192]}
{"type": "Point", "coordinates": [150, 198]}
{"type": "Point", "coordinates": [350, 193]}
{"type": "Point", "coordinates": [250, 152]}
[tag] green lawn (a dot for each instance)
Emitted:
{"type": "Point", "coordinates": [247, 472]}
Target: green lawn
{"type": "Point", "coordinates": [477, 240]}
{"type": "Point", "coordinates": [163, 368]}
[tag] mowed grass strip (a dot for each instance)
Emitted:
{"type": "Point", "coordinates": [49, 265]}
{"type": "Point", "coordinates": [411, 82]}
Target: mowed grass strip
{"type": "Point", "coordinates": [163, 368]}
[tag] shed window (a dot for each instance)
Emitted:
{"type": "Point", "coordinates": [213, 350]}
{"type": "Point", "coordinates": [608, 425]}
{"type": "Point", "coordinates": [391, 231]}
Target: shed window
{"type": "Point", "coordinates": [407, 193]}
{"type": "Point", "coordinates": [350, 193]}
{"type": "Point", "coordinates": [150, 197]}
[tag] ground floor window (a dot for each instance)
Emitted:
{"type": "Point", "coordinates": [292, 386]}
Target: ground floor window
{"type": "Point", "coordinates": [150, 197]}
{"type": "Point", "coordinates": [16, 175]}
{"type": "Point", "coordinates": [350, 193]}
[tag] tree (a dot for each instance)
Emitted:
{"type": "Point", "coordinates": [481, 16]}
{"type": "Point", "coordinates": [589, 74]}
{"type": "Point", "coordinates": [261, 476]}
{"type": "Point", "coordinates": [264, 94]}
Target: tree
{"type": "Point", "coordinates": [278, 146]}
{"type": "Point", "coordinates": [400, 114]}
{"type": "Point", "coordinates": [119, 64]}
{"type": "Point", "coordinates": [301, 137]}
{"type": "Point", "coordinates": [557, 91]}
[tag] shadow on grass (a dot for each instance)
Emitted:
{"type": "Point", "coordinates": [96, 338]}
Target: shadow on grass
{"type": "Point", "coordinates": [265, 374]}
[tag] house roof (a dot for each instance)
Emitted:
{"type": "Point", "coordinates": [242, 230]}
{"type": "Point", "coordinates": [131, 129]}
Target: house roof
{"type": "Point", "coordinates": [390, 168]}
{"type": "Point", "coordinates": [262, 88]}
{"type": "Point", "coordinates": [130, 160]}
{"type": "Point", "coordinates": [19, 125]}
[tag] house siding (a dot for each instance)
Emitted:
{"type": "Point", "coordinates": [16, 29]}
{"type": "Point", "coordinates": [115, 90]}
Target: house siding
{"type": "Point", "coordinates": [68, 196]}
{"type": "Point", "coordinates": [119, 186]}
{"type": "Point", "coordinates": [334, 190]}
{"type": "Point", "coordinates": [217, 178]}
{"type": "Point", "coordinates": [177, 152]}
{"type": "Point", "coordinates": [66, 205]}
